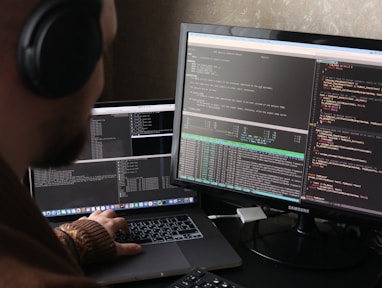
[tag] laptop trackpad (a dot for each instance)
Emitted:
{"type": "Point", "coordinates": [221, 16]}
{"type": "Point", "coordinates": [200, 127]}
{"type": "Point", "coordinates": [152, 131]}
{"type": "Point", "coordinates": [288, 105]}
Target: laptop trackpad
{"type": "Point", "coordinates": [155, 261]}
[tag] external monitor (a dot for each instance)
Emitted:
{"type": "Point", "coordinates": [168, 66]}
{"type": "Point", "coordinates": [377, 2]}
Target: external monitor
{"type": "Point", "coordinates": [287, 120]}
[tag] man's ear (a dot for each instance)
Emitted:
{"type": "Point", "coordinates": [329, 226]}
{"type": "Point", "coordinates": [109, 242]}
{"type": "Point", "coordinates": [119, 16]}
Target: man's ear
{"type": "Point", "coordinates": [59, 46]}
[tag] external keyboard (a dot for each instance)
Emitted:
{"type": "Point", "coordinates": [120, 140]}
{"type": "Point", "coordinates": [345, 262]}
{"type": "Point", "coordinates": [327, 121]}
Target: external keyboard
{"type": "Point", "coordinates": [200, 278]}
{"type": "Point", "coordinates": [160, 230]}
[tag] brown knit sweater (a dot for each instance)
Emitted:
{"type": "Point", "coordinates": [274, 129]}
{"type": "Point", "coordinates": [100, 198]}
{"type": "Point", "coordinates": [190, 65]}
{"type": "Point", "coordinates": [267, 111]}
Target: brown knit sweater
{"type": "Point", "coordinates": [31, 254]}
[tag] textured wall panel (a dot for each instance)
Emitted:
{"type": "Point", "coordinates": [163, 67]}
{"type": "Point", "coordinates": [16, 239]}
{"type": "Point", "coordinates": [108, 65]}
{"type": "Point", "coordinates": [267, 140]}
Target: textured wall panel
{"type": "Point", "coordinates": [143, 62]}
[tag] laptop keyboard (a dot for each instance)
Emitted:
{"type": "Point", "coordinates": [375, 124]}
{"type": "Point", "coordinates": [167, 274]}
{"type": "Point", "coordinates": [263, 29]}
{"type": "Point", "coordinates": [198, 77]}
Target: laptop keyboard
{"type": "Point", "coordinates": [160, 230]}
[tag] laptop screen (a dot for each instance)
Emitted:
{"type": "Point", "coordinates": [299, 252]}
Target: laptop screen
{"type": "Point", "coordinates": [124, 166]}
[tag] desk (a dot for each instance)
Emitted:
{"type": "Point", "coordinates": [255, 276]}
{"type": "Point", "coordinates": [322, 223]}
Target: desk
{"type": "Point", "coordinates": [257, 271]}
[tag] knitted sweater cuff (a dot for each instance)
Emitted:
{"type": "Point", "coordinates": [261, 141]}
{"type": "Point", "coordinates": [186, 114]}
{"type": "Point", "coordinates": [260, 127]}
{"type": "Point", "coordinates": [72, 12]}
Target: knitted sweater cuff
{"type": "Point", "coordinates": [92, 242]}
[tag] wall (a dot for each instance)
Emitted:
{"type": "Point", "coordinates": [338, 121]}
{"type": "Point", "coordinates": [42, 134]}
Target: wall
{"type": "Point", "coordinates": [142, 64]}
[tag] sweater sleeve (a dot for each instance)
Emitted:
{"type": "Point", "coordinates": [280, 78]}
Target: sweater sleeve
{"type": "Point", "coordinates": [87, 241]}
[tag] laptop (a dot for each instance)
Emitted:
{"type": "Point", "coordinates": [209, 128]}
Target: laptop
{"type": "Point", "coordinates": [125, 166]}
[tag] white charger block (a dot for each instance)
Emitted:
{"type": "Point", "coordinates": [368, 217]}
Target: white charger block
{"type": "Point", "coordinates": [250, 214]}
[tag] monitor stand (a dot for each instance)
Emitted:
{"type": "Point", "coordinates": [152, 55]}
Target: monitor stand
{"type": "Point", "coordinates": [302, 242]}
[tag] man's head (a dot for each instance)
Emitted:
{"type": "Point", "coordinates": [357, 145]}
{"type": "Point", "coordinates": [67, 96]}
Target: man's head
{"type": "Point", "coordinates": [53, 116]}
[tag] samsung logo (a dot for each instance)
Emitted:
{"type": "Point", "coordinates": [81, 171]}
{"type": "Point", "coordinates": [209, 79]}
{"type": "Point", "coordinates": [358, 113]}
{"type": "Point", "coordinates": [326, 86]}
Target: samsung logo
{"type": "Point", "coordinates": [298, 209]}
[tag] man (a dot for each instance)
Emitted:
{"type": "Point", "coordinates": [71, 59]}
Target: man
{"type": "Point", "coordinates": [42, 131]}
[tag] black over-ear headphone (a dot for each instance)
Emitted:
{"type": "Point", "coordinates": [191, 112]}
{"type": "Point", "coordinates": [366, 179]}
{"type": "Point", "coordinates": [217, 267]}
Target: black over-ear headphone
{"type": "Point", "coordinates": [60, 45]}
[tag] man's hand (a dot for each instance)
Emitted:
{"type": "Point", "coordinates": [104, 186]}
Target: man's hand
{"type": "Point", "coordinates": [109, 220]}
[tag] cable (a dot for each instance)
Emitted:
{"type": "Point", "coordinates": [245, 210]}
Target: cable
{"type": "Point", "coordinates": [247, 214]}
{"type": "Point", "coordinates": [213, 217]}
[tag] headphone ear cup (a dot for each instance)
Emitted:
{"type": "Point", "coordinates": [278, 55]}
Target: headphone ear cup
{"type": "Point", "coordinates": [60, 46]}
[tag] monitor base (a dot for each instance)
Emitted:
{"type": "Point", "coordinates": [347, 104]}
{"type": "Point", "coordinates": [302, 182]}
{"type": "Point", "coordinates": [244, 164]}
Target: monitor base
{"type": "Point", "coordinates": [304, 243]}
